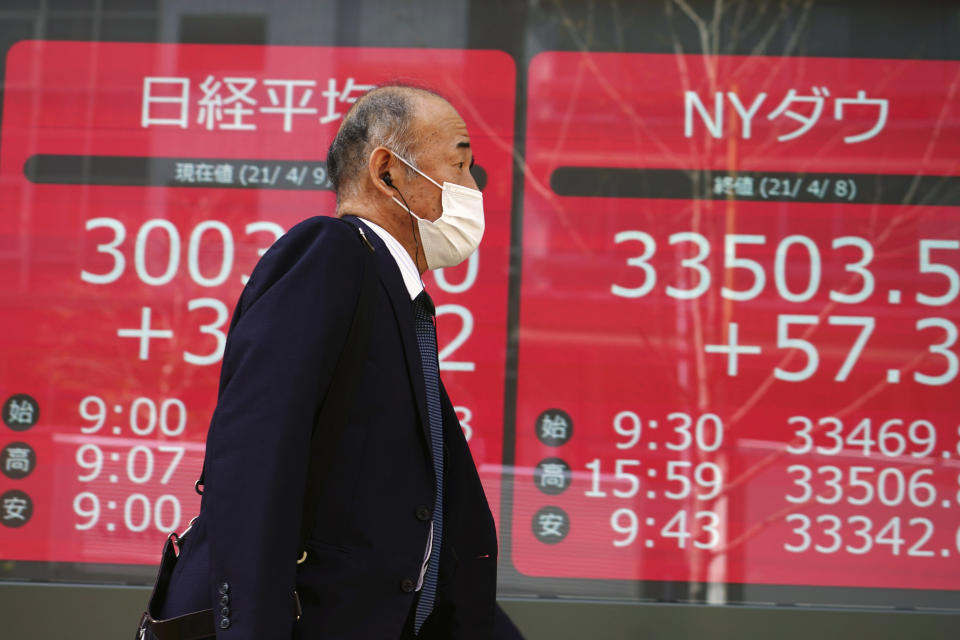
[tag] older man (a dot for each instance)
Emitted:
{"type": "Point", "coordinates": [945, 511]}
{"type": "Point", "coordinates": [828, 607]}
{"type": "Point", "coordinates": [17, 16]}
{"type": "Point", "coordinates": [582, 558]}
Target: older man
{"type": "Point", "coordinates": [400, 542]}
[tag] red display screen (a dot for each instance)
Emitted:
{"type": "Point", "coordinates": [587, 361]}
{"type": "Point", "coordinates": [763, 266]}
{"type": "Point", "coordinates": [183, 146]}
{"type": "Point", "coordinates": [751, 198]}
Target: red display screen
{"type": "Point", "coordinates": [737, 284]}
{"type": "Point", "coordinates": [140, 183]}
{"type": "Point", "coordinates": [738, 347]}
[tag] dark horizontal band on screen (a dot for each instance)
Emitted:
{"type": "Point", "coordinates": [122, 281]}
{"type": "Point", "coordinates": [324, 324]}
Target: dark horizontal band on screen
{"type": "Point", "coordinates": [216, 173]}
{"type": "Point", "coordinates": [762, 186]}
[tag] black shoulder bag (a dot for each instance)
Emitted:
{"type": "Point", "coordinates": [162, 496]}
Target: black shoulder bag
{"type": "Point", "coordinates": [199, 625]}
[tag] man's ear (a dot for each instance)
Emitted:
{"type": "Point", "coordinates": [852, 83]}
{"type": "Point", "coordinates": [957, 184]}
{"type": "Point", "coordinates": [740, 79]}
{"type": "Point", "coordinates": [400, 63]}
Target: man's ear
{"type": "Point", "coordinates": [382, 168]}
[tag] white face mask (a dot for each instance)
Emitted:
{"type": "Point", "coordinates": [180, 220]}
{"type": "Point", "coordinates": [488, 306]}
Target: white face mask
{"type": "Point", "coordinates": [451, 238]}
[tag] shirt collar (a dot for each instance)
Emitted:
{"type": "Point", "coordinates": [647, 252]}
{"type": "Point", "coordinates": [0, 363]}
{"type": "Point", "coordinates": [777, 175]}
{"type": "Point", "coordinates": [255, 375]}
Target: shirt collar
{"type": "Point", "coordinates": [408, 270]}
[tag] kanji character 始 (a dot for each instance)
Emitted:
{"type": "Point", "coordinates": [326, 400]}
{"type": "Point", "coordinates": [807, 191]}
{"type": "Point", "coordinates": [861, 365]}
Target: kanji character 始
{"type": "Point", "coordinates": [20, 412]}
{"type": "Point", "coordinates": [554, 427]}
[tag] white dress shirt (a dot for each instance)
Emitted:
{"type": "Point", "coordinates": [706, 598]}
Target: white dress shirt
{"type": "Point", "coordinates": [409, 271]}
{"type": "Point", "coordinates": [411, 278]}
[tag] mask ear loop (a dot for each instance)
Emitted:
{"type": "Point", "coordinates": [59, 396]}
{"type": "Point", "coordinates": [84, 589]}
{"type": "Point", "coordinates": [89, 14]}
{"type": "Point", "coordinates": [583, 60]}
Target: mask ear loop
{"type": "Point", "coordinates": [409, 164]}
{"type": "Point", "coordinates": [416, 251]}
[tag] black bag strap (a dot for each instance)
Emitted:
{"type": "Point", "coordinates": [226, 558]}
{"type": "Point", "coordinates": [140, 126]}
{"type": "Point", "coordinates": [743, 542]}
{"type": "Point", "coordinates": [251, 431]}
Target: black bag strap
{"type": "Point", "coordinates": [346, 377]}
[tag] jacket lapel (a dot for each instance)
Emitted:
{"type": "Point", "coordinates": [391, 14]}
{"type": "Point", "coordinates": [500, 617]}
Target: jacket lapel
{"type": "Point", "coordinates": [392, 281]}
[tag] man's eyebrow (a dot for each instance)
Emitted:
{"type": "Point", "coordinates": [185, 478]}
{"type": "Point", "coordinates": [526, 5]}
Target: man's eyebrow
{"type": "Point", "coordinates": [465, 144]}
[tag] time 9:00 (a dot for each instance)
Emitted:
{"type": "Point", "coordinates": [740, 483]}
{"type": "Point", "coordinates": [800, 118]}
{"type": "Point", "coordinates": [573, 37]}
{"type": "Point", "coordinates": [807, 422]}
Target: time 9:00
{"type": "Point", "coordinates": [171, 416]}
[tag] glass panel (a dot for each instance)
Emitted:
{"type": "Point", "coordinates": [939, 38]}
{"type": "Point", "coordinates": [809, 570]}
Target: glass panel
{"type": "Point", "coordinates": [707, 351]}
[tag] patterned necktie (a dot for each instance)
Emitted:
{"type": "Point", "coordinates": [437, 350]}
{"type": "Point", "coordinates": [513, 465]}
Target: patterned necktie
{"type": "Point", "coordinates": [427, 341]}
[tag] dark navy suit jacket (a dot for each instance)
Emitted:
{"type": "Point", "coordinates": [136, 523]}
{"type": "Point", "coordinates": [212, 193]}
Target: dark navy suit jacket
{"type": "Point", "coordinates": [369, 534]}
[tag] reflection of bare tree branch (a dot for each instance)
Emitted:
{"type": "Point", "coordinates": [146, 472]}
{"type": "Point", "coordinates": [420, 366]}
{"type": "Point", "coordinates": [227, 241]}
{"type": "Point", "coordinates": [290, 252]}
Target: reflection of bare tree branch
{"type": "Point", "coordinates": [760, 527]}
{"type": "Point", "coordinates": [768, 461]}
{"type": "Point", "coordinates": [519, 161]}
{"type": "Point", "coordinates": [801, 23]}
{"type": "Point", "coordinates": [634, 118]}
{"type": "Point", "coordinates": [737, 28]}
{"type": "Point", "coordinates": [709, 39]}
{"type": "Point", "coordinates": [780, 17]}
{"type": "Point", "coordinates": [618, 24]}
{"type": "Point", "coordinates": [934, 135]}
{"type": "Point", "coordinates": [842, 413]}
{"type": "Point", "coordinates": [715, 26]}
{"type": "Point", "coordinates": [701, 26]}
{"type": "Point", "coordinates": [709, 34]}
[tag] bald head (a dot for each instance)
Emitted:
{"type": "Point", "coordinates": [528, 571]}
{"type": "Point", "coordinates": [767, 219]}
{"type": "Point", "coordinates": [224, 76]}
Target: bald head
{"type": "Point", "coordinates": [385, 116]}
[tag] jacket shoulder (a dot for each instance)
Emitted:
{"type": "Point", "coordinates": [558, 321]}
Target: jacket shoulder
{"type": "Point", "coordinates": [321, 235]}
{"type": "Point", "coordinates": [317, 249]}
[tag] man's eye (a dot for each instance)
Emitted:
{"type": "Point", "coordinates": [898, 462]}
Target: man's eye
{"type": "Point", "coordinates": [460, 164]}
